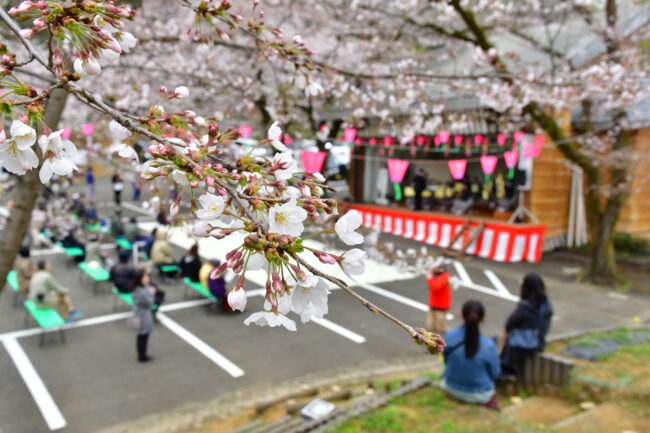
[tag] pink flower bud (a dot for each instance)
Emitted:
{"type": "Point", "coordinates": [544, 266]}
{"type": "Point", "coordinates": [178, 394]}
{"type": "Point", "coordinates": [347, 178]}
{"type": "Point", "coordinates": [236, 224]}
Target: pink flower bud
{"type": "Point", "coordinates": [328, 259]}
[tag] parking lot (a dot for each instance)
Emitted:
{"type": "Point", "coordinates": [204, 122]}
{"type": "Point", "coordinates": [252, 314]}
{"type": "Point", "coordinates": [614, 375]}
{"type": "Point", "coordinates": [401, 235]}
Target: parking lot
{"type": "Point", "coordinates": [93, 381]}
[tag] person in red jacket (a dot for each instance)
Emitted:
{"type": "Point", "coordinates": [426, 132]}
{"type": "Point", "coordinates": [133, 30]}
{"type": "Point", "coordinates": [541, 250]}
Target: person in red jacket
{"type": "Point", "coordinates": [439, 300]}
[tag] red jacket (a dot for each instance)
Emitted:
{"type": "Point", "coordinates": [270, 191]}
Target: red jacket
{"type": "Point", "coordinates": [439, 291]}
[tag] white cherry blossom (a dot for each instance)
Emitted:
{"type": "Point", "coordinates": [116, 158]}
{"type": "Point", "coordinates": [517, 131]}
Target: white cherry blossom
{"type": "Point", "coordinates": [346, 225]}
{"type": "Point", "coordinates": [290, 165]}
{"type": "Point", "coordinates": [118, 132]}
{"type": "Point", "coordinates": [309, 298]}
{"type": "Point", "coordinates": [181, 92]}
{"type": "Point", "coordinates": [212, 205]}
{"type": "Point", "coordinates": [256, 262]}
{"type": "Point", "coordinates": [269, 318]}
{"type": "Point", "coordinates": [353, 262]}
{"type": "Point", "coordinates": [89, 67]}
{"type": "Point", "coordinates": [201, 229]}
{"type": "Point", "coordinates": [58, 166]}
{"type": "Point", "coordinates": [287, 219]}
{"type": "Point", "coordinates": [274, 134]}
{"type": "Point", "coordinates": [284, 304]}
{"type": "Point", "coordinates": [16, 159]}
{"type": "Point", "coordinates": [23, 134]}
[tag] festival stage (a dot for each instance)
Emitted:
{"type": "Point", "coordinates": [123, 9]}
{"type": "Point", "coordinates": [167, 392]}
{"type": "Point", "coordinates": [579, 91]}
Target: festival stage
{"type": "Point", "coordinates": [497, 241]}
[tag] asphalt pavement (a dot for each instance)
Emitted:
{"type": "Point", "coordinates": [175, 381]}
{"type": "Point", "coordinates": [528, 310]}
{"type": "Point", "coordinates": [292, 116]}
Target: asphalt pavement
{"type": "Point", "coordinates": [93, 381]}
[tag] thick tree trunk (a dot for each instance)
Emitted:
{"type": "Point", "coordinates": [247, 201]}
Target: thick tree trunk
{"type": "Point", "coordinates": [24, 196]}
{"type": "Point", "coordinates": [602, 269]}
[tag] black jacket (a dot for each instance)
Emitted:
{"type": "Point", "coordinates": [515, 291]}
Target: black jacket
{"type": "Point", "coordinates": [122, 276]}
{"type": "Point", "coordinates": [190, 267]}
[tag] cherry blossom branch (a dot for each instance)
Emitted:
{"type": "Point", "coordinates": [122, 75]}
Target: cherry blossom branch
{"type": "Point", "coordinates": [415, 334]}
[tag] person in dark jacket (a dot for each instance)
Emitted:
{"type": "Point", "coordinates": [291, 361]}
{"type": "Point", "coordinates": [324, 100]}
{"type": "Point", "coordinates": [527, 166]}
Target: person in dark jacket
{"type": "Point", "coordinates": [122, 274]}
{"type": "Point", "coordinates": [471, 360]}
{"type": "Point", "coordinates": [419, 185]}
{"type": "Point", "coordinates": [72, 241]}
{"type": "Point", "coordinates": [190, 264]}
{"type": "Point", "coordinates": [527, 326]}
{"type": "Point", "coordinates": [148, 242]}
{"type": "Point", "coordinates": [143, 304]}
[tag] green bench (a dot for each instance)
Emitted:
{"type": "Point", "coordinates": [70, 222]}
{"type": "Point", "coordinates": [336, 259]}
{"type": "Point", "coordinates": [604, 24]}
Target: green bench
{"type": "Point", "coordinates": [71, 252]}
{"type": "Point", "coordinates": [127, 298]}
{"type": "Point", "coordinates": [46, 318]}
{"type": "Point", "coordinates": [97, 275]}
{"type": "Point", "coordinates": [125, 244]}
{"type": "Point", "coordinates": [93, 227]}
{"type": "Point", "coordinates": [198, 287]}
{"type": "Point", "coordinates": [169, 268]}
{"type": "Point", "coordinates": [12, 280]}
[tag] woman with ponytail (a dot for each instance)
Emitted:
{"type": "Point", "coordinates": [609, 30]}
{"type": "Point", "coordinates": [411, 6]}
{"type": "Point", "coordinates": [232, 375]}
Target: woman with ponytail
{"type": "Point", "coordinates": [471, 360]}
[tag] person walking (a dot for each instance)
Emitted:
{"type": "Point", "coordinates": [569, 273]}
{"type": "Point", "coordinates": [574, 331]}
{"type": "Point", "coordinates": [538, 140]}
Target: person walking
{"type": "Point", "coordinates": [471, 360]}
{"type": "Point", "coordinates": [118, 186]}
{"type": "Point", "coordinates": [526, 327]}
{"type": "Point", "coordinates": [143, 304]}
{"type": "Point", "coordinates": [90, 183]}
{"type": "Point", "coordinates": [46, 293]}
{"type": "Point", "coordinates": [439, 300]}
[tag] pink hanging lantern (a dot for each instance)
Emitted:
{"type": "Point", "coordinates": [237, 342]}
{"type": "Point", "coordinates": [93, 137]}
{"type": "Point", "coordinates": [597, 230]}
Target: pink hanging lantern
{"type": "Point", "coordinates": [501, 139]}
{"type": "Point", "coordinates": [458, 140]}
{"type": "Point", "coordinates": [312, 161]}
{"type": "Point", "coordinates": [388, 141]}
{"type": "Point", "coordinates": [349, 134]}
{"type": "Point", "coordinates": [87, 129]}
{"type": "Point", "coordinates": [397, 170]}
{"type": "Point", "coordinates": [358, 142]}
{"type": "Point", "coordinates": [516, 137]}
{"type": "Point", "coordinates": [478, 139]}
{"type": "Point", "coordinates": [436, 140]}
{"type": "Point", "coordinates": [287, 139]}
{"type": "Point", "coordinates": [539, 141]}
{"type": "Point", "coordinates": [372, 142]}
{"type": "Point", "coordinates": [245, 130]}
{"type": "Point", "coordinates": [511, 157]}
{"type": "Point", "coordinates": [488, 164]}
{"type": "Point", "coordinates": [419, 140]}
{"type": "Point", "coordinates": [444, 136]}
{"type": "Point", "coordinates": [66, 133]}
{"type": "Point", "coordinates": [457, 168]}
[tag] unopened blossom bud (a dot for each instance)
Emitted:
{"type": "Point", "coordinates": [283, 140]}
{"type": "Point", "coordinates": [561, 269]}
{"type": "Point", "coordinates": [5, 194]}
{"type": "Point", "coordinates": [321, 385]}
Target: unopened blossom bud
{"type": "Point", "coordinates": [314, 215]}
{"type": "Point", "coordinates": [327, 259]}
{"type": "Point", "coordinates": [217, 234]}
{"type": "Point", "coordinates": [231, 253]}
{"type": "Point", "coordinates": [237, 299]}
{"type": "Point", "coordinates": [218, 272]}
{"type": "Point", "coordinates": [299, 272]}
{"type": "Point", "coordinates": [222, 191]}
{"type": "Point", "coordinates": [194, 184]}
{"type": "Point", "coordinates": [26, 33]}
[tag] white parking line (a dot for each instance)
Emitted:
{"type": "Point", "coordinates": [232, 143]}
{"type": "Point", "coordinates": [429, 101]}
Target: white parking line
{"type": "Point", "coordinates": [127, 205]}
{"type": "Point", "coordinates": [201, 346]}
{"type": "Point", "coordinates": [350, 335]}
{"type": "Point", "coordinates": [496, 282]}
{"type": "Point", "coordinates": [50, 411]}
{"type": "Point", "coordinates": [462, 272]}
{"type": "Point", "coordinates": [395, 297]}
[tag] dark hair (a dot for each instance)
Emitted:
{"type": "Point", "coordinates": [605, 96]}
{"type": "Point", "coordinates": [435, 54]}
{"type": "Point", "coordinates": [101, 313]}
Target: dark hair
{"type": "Point", "coordinates": [133, 220]}
{"type": "Point", "coordinates": [473, 313]}
{"type": "Point", "coordinates": [123, 256]}
{"type": "Point", "coordinates": [533, 290]}
{"type": "Point", "coordinates": [216, 263]}
{"type": "Point", "coordinates": [194, 250]}
{"type": "Point", "coordinates": [137, 278]}
{"type": "Point", "coordinates": [41, 264]}
{"type": "Point", "coordinates": [24, 251]}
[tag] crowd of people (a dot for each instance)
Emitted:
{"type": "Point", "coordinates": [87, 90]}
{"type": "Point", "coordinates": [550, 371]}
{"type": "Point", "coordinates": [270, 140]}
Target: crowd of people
{"type": "Point", "coordinates": [474, 363]}
{"type": "Point", "coordinates": [71, 221]}
{"type": "Point", "coordinates": [461, 197]}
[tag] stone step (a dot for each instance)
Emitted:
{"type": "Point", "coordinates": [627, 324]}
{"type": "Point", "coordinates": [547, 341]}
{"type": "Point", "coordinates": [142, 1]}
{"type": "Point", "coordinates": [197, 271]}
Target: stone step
{"type": "Point", "coordinates": [604, 418]}
{"type": "Point", "coordinates": [542, 410]}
